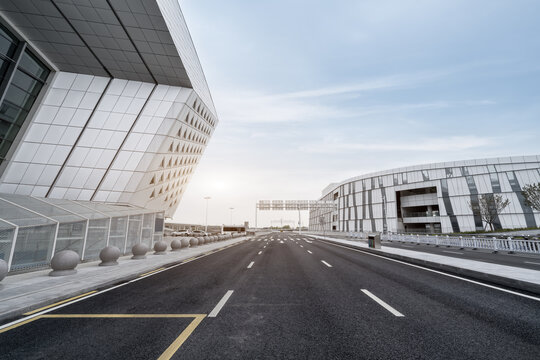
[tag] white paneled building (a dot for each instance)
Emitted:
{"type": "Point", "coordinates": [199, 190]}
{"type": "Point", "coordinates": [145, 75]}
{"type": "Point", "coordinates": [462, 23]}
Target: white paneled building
{"type": "Point", "coordinates": [123, 112]}
{"type": "Point", "coordinates": [100, 102]}
{"type": "Point", "coordinates": [431, 198]}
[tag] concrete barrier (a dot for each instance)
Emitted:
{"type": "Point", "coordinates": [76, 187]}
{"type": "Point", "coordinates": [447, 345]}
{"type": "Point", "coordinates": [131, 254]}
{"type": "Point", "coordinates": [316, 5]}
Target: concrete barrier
{"type": "Point", "coordinates": [176, 245]}
{"type": "Point", "coordinates": [64, 263]}
{"type": "Point", "coordinates": [193, 242]}
{"type": "Point", "coordinates": [109, 256]}
{"type": "Point", "coordinates": [139, 251]}
{"type": "Point", "coordinates": [160, 248]}
{"type": "Point", "coordinates": [185, 242]}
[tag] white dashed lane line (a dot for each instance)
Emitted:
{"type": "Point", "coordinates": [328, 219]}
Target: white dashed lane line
{"type": "Point", "coordinates": [325, 263]}
{"type": "Point", "coordinates": [309, 252]}
{"type": "Point", "coordinates": [220, 304]}
{"type": "Point", "coordinates": [260, 252]}
{"type": "Point", "coordinates": [251, 264]}
{"type": "Point", "coordinates": [382, 303]}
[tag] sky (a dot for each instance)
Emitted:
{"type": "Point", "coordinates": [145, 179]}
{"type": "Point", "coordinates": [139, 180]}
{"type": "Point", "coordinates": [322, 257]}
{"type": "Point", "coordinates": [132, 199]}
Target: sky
{"type": "Point", "coordinates": [314, 92]}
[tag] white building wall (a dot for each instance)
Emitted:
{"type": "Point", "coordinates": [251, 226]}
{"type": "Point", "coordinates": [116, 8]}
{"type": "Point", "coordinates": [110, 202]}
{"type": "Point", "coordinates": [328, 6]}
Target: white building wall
{"type": "Point", "coordinates": [461, 190]}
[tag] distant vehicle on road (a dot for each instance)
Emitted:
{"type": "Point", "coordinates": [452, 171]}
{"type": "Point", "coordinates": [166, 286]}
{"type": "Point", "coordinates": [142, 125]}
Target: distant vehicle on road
{"type": "Point", "coordinates": [182, 233]}
{"type": "Point", "coordinates": [199, 233]}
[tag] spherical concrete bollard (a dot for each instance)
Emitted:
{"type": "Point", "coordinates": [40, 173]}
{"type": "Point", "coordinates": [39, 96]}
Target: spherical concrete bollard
{"type": "Point", "coordinates": [64, 263]}
{"type": "Point", "coordinates": [160, 248]}
{"type": "Point", "coordinates": [176, 245]}
{"type": "Point", "coordinates": [193, 242]}
{"type": "Point", "coordinates": [139, 251]}
{"type": "Point", "coordinates": [185, 242]}
{"type": "Point", "coordinates": [109, 256]}
{"type": "Point", "coordinates": [3, 269]}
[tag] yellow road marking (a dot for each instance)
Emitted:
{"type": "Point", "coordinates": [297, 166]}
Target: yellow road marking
{"type": "Point", "coordinates": [59, 303]}
{"type": "Point", "coordinates": [19, 324]}
{"type": "Point", "coordinates": [150, 272]}
{"type": "Point", "coordinates": [167, 354]}
{"type": "Point", "coordinates": [89, 316]}
{"type": "Point", "coordinates": [171, 350]}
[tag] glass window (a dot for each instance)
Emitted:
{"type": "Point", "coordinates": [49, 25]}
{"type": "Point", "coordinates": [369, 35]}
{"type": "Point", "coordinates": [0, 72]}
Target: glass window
{"type": "Point", "coordinates": [8, 42]}
{"type": "Point", "coordinates": [20, 95]}
{"type": "Point", "coordinates": [33, 66]}
{"type": "Point", "coordinates": [33, 247]}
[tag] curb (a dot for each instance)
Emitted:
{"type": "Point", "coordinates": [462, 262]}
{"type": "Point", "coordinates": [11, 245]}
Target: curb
{"type": "Point", "coordinates": [14, 313]}
{"type": "Point", "coordinates": [473, 274]}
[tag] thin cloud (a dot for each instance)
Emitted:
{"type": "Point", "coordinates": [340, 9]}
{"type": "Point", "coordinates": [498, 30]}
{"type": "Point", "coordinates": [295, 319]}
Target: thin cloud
{"type": "Point", "coordinates": [453, 143]}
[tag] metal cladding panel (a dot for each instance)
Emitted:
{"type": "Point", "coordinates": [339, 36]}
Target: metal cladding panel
{"type": "Point", "coordinates": [115, 38]}
{"type": "Point", "coordinates": [178, 29]}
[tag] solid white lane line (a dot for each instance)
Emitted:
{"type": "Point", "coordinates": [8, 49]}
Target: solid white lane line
{"type": "Point", "coordinates": [452, 252]}
{"type": "Point", "coordinates": [530, 262]}
{"type": "Point", "coordinates": [325, 263]}
{"type": "Point", "coordinates": [382, 303]}
{"type": "Point", "coordinates": [439, 272]}
{"type": "Point", "coordinates": [260, 252]}
{"type": "Point", "coordinates": [309, 252]}
{"type": "Point", "coordinates": [220, 304]}
{"type": "Point", "coordinates": [251, 264]}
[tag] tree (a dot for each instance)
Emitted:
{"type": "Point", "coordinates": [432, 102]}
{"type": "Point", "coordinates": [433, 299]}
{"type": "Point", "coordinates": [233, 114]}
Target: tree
{"type": "Point", "coordinates": [489, 206]}
{"type": "Point", "coordinates": [531, 193]}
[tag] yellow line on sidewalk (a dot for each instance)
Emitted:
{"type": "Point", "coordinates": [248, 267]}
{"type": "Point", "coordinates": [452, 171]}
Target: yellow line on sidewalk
{"type": "Point", "coordinates": [58, 303]}
{"type": "Point", "coordinates": [171, 350]}
{"type": "Point", "coordinates": [150, 272]}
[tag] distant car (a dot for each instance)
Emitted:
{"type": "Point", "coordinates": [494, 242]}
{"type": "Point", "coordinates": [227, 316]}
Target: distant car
{"type": "Point", "coordinates": [181, 233]}
{"type": "Point", "coordinates": [199, 233]}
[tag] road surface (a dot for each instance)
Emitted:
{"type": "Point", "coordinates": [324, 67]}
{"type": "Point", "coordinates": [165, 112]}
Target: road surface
{"type": "Point", "coordinates": [285, 296]}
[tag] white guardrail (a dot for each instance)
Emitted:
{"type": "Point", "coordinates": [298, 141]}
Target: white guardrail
{"type": "Point", "coordinates": [508, 244]}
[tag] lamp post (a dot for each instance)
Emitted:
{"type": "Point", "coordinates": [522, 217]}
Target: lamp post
{"type": "Point", "coordinates": [231, 208]}
{"type": "Point", "coordinates": [206, 214]}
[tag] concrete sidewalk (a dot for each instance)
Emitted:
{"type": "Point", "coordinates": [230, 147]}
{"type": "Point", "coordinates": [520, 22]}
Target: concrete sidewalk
{"type": "Point", "coordinates": [509, 276]}
{"type": "Point", "coordinates": [25, 292]}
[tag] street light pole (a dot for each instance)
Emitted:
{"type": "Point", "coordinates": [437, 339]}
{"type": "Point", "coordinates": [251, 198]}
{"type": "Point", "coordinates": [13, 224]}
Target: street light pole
{"type": "Point", "coordinates": [206, 215]}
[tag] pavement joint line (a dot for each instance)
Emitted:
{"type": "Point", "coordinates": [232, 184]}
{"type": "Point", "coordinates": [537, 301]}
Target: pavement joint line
{"type": "Point", "coordinates": [220, 304]}
{"type": "Point", "coordinates": [251, 264]}
{"type": "Point", "coordinates": [59, 302]}
{"type": "Point", "coordinates": [382, 303]}
{"type": "Point", "coordinates": [438, 272]}
{"type": "Point", "coordinates": [32, 317]}
{"type": "Point", "coordinates": [151, 272]}
{"type": "Point", "coordinates": [325, 263]}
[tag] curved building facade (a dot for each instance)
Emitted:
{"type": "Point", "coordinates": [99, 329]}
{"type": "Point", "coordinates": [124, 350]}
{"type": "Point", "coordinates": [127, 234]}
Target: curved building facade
{"type": "Point", "coordinates": [101, 101]}
{"type": "Point", "coordinates": [105, 113]}
{"type": "Point", "coordinates": [431, 198]}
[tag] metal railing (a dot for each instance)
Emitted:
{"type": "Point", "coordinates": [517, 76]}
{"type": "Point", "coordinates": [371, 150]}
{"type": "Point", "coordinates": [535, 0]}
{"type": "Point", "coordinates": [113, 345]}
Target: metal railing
{"type": "Point", "coordinates": [508, 244]}
{"type": "Point", "coordinates": [421, 214]}
{"type": "Point", "coordinates": [490, 243]}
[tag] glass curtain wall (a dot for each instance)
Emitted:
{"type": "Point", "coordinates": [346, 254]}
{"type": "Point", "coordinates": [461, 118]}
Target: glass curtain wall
{"type": "Point", "coordinates": [22, 76]}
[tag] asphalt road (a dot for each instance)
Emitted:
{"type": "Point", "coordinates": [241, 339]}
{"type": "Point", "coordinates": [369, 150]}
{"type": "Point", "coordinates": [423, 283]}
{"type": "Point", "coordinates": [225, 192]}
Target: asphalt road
{"type": "Point", "coordinates": [292, 298]}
